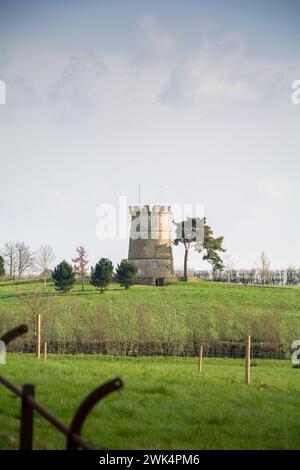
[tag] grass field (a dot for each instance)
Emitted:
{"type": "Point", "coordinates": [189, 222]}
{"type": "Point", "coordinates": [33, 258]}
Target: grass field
{"type": "Point", "coordinates": [177, 311]}
{"type": "Point", "coordinates": [164, 403]}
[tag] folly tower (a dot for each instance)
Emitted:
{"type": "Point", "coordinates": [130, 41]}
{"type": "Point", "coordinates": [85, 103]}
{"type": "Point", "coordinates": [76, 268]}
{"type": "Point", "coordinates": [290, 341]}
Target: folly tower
{"type": "Point", "coordinates": [150, 244]}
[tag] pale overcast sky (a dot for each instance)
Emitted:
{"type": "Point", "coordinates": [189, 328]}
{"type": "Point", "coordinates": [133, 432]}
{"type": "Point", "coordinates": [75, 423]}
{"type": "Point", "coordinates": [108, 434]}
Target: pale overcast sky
{"type": "Point", "coordinates": [192, 99]}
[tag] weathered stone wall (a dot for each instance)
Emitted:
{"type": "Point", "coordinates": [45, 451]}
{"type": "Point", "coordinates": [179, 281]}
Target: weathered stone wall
{"type": "Point", "coordinates": [150, 244]}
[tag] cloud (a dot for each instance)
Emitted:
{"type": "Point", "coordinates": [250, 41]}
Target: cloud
{"type": "Point", "coordinates": [153, 41]}
{"type": "Point", "coordinates": [217, 75]}
{"type": "Point", "coordinates": [222, 71]}
{"type": "Point", "coordinates": [78, 84]}
{"type": "Point", "coordinates": [114, 89]}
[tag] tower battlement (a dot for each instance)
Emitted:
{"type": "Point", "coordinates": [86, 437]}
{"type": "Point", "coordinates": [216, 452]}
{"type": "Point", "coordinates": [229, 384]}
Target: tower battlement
{"type": "Point", "coordinates": [149, 208]}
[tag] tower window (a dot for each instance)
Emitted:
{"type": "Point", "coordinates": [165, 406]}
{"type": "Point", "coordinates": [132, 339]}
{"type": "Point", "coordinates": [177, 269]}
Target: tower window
{"type": "Point", "coordinates": [154, 264]}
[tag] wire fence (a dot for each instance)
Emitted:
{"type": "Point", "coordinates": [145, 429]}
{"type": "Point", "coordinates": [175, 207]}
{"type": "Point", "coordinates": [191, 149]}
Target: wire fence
{"type": "Point", "coordinates": [212, 349]}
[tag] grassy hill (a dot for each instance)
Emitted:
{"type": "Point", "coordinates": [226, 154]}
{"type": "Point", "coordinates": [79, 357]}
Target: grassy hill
{"type": "Point", "coordinates": [179, 311]}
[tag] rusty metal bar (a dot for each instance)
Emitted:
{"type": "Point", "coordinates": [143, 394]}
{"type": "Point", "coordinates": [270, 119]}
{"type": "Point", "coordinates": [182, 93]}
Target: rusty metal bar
{"type": "Point", "coordinates": [12, 334]}
{"type": "Point", "coordinates": [26, 418]}
{"type": "Point", "coordinates": [90, 401]}
{"type": "Point", "coordinates": [46, 414]}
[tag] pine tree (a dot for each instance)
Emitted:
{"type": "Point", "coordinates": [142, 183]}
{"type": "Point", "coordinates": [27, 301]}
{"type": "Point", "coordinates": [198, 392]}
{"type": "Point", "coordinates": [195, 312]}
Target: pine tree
{"type": "Point", "coordinates": [194, 232]}
{"type": "Point", "coordinates": [126, 273]}
{"type": "Point", "coordinates": [63, 277]}
{"type": "Point", "coordinates": [101, 274]}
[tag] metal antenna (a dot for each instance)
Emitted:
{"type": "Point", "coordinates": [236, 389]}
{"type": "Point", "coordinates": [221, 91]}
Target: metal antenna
{"type": "Point", "coordinates": [139, 194]}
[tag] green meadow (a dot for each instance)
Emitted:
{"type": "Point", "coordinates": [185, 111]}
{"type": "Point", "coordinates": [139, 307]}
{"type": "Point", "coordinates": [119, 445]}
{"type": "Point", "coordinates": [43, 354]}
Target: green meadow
{"type": "Point", "coordinates": [164, 404]}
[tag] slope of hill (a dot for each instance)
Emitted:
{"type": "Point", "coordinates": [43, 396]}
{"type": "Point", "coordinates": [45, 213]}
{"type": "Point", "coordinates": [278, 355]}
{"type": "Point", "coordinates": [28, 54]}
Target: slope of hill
{"type": "Point", "coordinates": [179, 311]}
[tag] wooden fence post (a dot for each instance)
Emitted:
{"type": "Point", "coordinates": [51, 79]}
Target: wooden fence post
{"type": "Point", "coordinates": [26, 419]}
{"type": "Point", "coordinates": [38, 335]}
{"type": "Point", "coordinates": [248, 359]}
{"type": "Point", "coordinates": [45, 350]}
{"type": "Point", "coordinates": [200, 359]}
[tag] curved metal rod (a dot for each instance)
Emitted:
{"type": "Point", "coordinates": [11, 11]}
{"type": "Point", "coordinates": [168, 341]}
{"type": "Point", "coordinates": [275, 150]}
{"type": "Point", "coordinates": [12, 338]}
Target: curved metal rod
{"type": "Point", "coordinates": [12, 334]}
{"type": "Point", "coordinates": [90, 401]}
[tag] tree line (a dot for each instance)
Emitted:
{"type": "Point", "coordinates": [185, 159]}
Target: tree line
{"type": "Point", "coordinates": [261, 274]}
{"type": "Point", "coordinates": [101, 275]}
{"type": "Point", "coordinates": [16, 259]}
{"type": "Point", "coordinates": [289, 276]}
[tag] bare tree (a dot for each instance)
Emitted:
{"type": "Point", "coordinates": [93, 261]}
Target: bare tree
{"type": "Point", "coordinates": [228, 267]}
{"type": "Point", "coordinates": [45, 258]}
{"type": "Point", "coordinates": [264, 268]}
{"type": "Point", "coordinates": [33, 304]}
{"type": "Point", "coordinates": [291, 275]}
{"type": "Point", "coordinates": [80, 263]}
{"type": "Point", "coordinates": [10, 258]}
{"type": "Point", "coordinates": [24, 258]}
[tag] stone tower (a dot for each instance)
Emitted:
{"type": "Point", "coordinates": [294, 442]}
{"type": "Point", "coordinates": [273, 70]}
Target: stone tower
{"type": "Point", "coordinates": [150, 243]}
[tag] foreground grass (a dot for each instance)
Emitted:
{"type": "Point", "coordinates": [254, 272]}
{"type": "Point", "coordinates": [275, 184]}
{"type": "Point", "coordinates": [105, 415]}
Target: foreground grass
{"type": "Point", "coordinates": [164, 403]}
